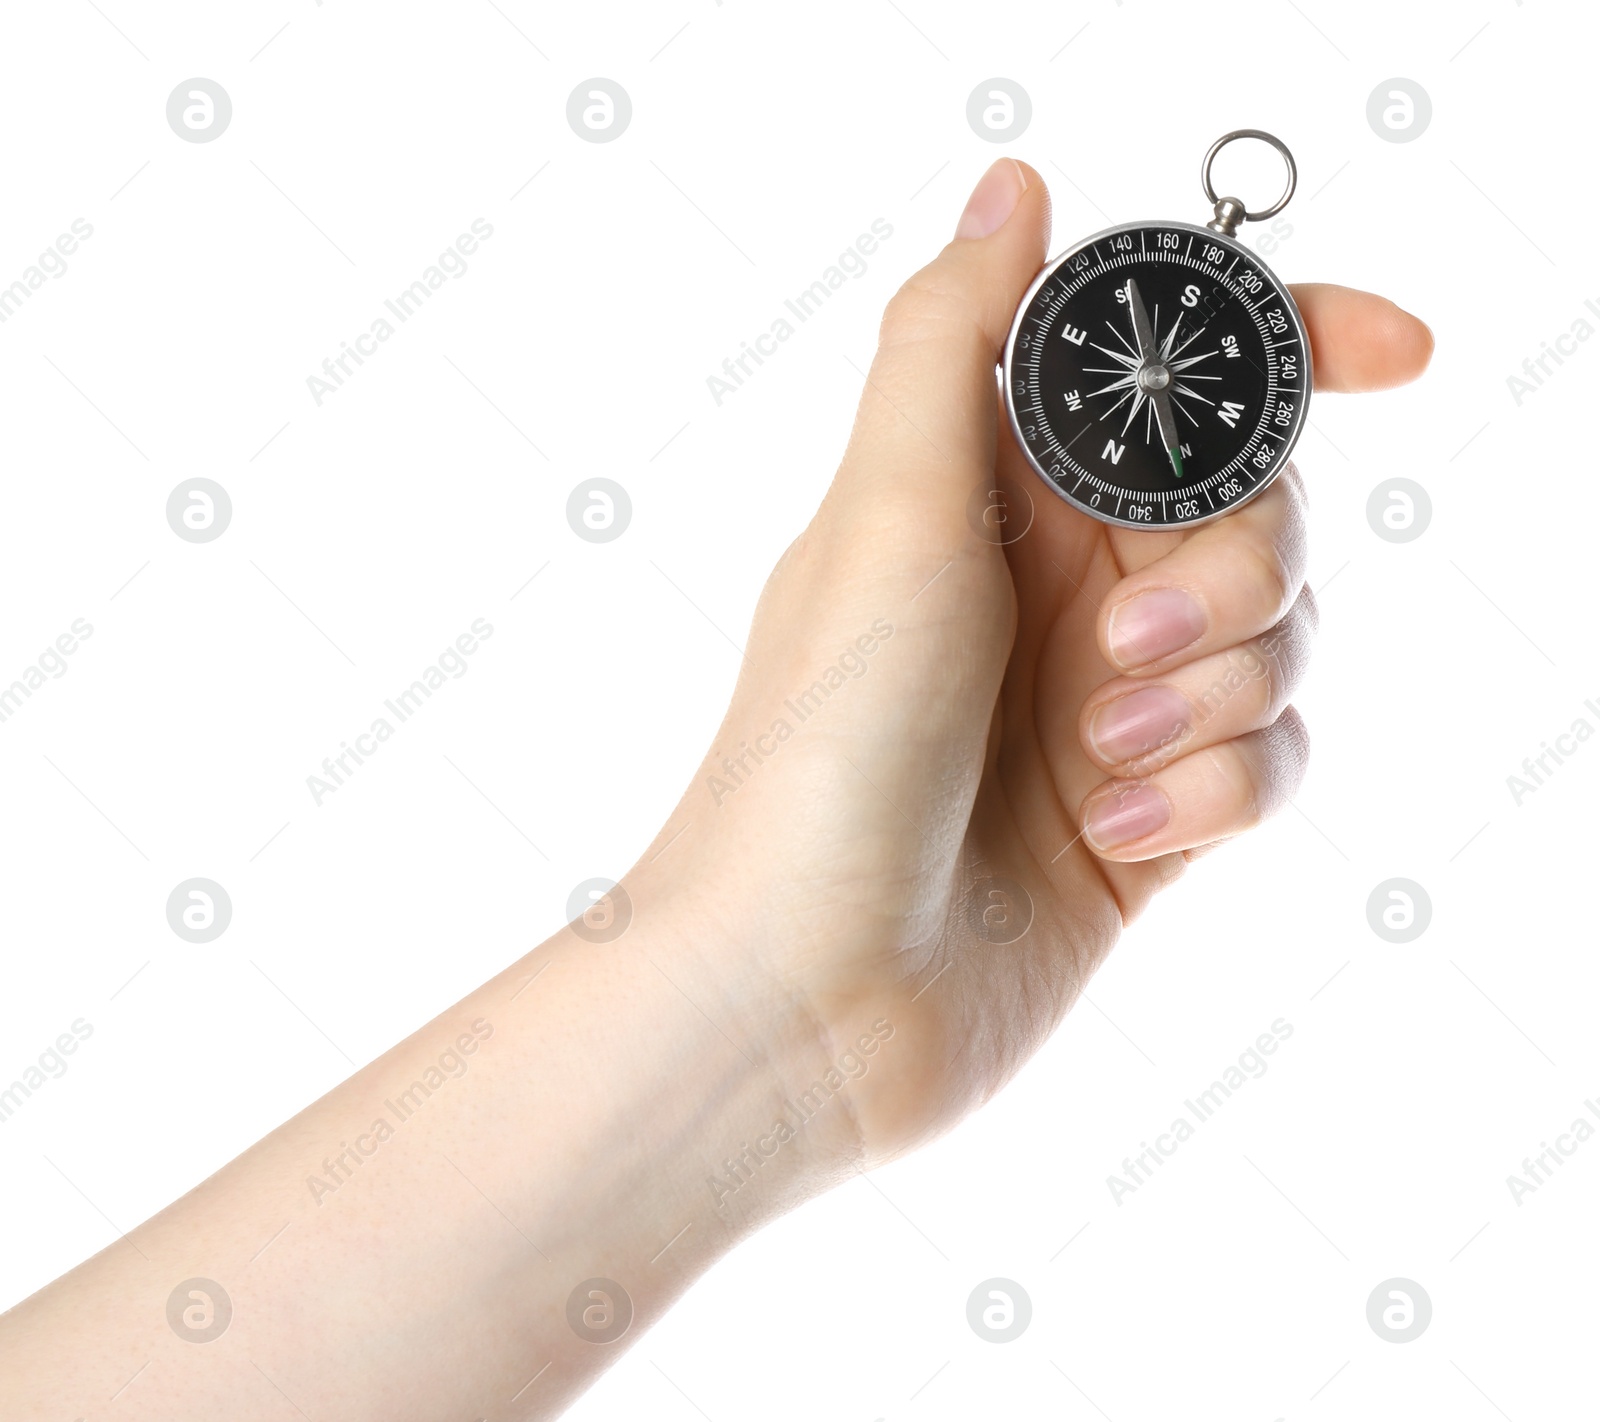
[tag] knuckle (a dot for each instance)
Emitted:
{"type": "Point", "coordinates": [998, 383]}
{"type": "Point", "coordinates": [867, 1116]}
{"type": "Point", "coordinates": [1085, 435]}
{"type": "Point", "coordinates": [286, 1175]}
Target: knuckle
{"type": "Point", "coordinates": [1295, 481]}
{"type": "Point", "coordinates": [1270, 671]}
{"type": "Point", "coordinates": [1283, 652]}
{"type": "Point", "coordinates": [1283, 756]}
{"type": "Point", "coordinates": [1236, 698]}
{"type": "Point", "coordinates": [1283, 525]}
{"type": "Point", "coordinates": [1262, 771]}
{"type": "Point", "coordinates": [1233, 772]}
{"type": "Point", "coordinates": [1292, 726]}
{"type": "Point", "coordinates": [1307, 612]}
{"type": "Point", "coordinates": [1264, 575]}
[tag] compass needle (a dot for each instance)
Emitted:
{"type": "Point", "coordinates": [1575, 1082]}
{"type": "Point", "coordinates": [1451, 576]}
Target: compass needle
{"type": "Point", "coordinates": [1154, 377]}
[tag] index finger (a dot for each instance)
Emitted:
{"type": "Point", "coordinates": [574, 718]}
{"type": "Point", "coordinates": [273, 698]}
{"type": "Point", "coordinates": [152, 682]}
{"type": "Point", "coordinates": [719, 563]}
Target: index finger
{"type": "Point", "coordinates": [1360, 341]}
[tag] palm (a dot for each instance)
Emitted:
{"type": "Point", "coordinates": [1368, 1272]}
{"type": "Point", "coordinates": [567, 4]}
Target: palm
{"type": "Point", "coordinates": [1033, 911]}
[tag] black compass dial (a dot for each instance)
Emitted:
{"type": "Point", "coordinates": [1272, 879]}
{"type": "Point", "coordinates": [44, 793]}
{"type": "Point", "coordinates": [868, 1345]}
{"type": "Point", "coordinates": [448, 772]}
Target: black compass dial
{"type": "Point", "coordinates": [1158, 375]}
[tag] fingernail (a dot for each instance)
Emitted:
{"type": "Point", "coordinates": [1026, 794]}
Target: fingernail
{"type": "Point", "coordinates": [1133, 809]}
{"type": "Point", "coordinates": [1133, 726]}
{"type": "Point", "coordinates": [1153, 625]}
{"type": "Point", "coordinates": [993, 200]}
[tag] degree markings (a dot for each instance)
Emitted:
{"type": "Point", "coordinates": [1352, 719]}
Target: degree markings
{"type": "Point", "coordinates": [1098, 266]}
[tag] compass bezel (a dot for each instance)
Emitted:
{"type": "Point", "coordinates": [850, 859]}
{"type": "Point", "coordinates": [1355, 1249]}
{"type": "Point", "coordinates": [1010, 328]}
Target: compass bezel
{"type": "Point", "coordinates": [1260, 479]}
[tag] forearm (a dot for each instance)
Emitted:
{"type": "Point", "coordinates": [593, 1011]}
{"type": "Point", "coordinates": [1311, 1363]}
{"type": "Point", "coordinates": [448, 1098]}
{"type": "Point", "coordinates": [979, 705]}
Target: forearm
{"type": "Point", "coordinates": [406, 1247]}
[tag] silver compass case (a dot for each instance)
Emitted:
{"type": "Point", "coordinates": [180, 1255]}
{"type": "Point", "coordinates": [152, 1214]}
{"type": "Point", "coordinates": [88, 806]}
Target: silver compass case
{"type": "Point", "coordinates": [1254, 298]}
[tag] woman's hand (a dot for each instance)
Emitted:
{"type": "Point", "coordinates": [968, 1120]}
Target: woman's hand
{"type": "Point", "coordinates": [955, 765]}
{"type": "Point", "coordinates": [952, 770]}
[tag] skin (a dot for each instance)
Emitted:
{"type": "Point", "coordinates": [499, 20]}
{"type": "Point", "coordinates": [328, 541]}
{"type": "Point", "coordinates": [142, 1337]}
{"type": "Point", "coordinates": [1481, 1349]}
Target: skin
{"type": "Point", "coordinates": [829, 907]}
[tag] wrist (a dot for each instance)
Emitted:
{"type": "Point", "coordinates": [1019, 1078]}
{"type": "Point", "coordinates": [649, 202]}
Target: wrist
{"type": "Point", "coordinates": [662, 1066]}
{"type": "Point", "coordinates": [781, 1125]}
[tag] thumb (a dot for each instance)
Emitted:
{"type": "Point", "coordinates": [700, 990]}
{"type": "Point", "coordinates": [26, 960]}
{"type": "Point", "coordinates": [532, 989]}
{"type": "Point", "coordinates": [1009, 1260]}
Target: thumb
{"type": "Point", "coordinates": [925, 428]}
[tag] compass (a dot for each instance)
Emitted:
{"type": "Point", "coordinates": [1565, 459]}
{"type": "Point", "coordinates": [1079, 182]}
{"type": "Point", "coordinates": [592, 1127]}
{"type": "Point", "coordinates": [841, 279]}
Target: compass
{"type": "Point", "coordinates": [1157, 374]}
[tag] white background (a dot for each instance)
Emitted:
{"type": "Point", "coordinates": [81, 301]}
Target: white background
{"type": "Point", "coordinates": [369, 532]}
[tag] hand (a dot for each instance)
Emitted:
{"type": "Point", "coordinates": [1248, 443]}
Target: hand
{"type": "Point", "coordinates": [937, 740]}
{"type": "Point", "coordinates": [814, 937]}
